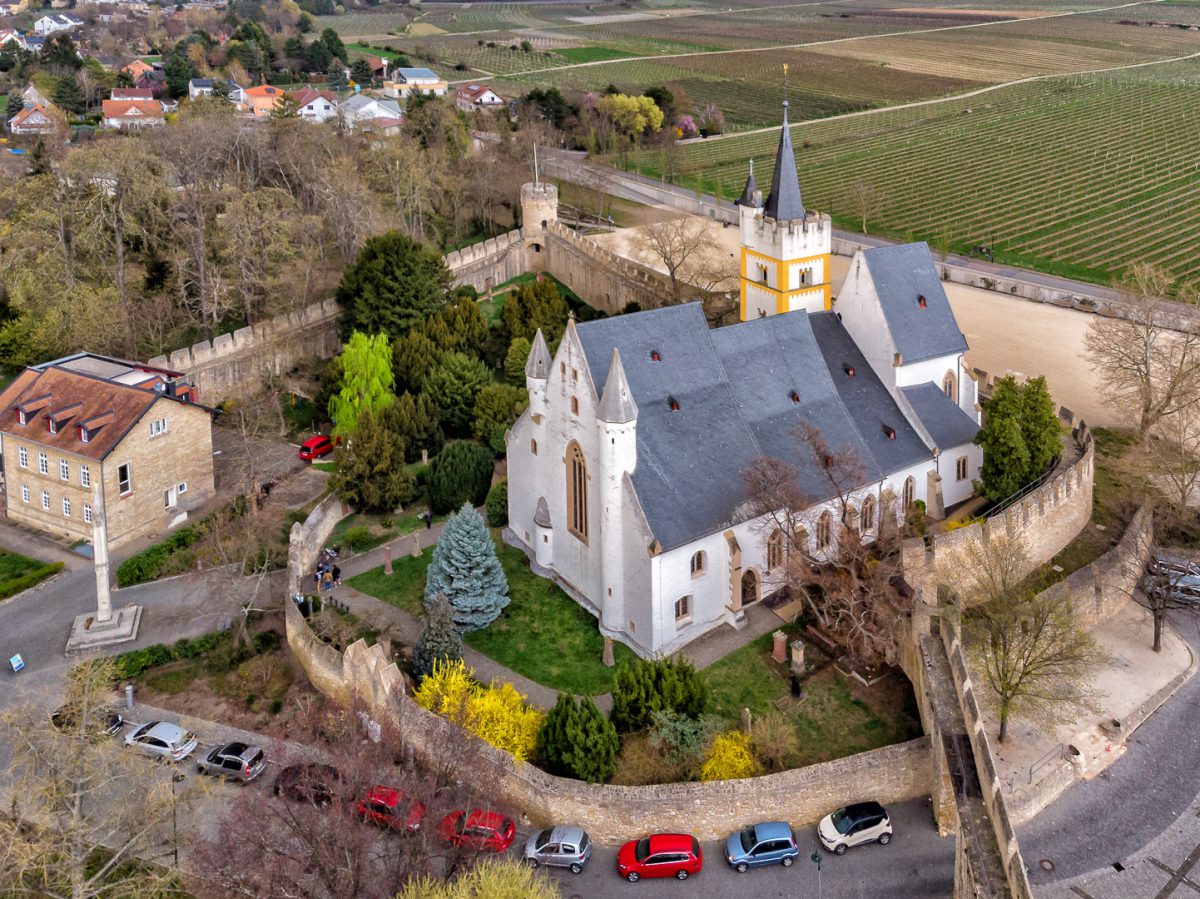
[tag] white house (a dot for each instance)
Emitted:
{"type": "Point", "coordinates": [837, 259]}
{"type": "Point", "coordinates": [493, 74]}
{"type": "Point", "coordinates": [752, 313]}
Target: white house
{"type": "Point", "coordinates": [405, 81]}
{"type": "Point", "coordinates": [56, 22]}
{"type": "Point", "coordinates": [478, 96]}
{"type": "Point", "coordinates": [203, 87]}
{"type": "Point", "coordinates": [315, 106]}
{"type": "Point", "coordinates": [626, 470]}
{"type": "Point", "coordinates": [364, 112]}
{"type": "Point", "coordinates": [11, 36]}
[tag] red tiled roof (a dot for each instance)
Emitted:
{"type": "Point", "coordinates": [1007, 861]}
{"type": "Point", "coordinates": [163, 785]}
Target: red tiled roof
{"type": "Point", "coordinates": [133, 110]}
{"type": "Point", "coordinates": [306, 95]}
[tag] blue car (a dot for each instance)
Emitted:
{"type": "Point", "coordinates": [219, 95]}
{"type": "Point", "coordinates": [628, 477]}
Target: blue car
{"type": "Point", "coordinates": [770, 843]}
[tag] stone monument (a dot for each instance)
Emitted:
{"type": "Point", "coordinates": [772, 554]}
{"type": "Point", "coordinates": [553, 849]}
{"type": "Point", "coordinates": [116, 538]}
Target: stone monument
{"type": "Point", "coordinates": [103, 627]}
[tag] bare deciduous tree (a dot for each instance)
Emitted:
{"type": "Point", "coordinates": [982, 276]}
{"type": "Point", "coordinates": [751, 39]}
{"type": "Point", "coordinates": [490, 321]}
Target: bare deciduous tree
{"type": "Point", "coordinates": [865, 200]}
{"type": "Point", "coordinates": [1145, 367]}
{"type": "Point", "coordinates": [1175, 454]}
{"type": "Point", "coordinates": [689, 253]}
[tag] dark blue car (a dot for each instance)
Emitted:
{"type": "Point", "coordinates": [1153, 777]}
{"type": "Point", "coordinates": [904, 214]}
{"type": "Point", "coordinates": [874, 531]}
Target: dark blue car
{"type": "Point", "coordinates": [770, 843]}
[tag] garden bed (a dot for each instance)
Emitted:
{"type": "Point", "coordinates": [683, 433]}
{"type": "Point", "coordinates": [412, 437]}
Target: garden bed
{"type": "Point", "coordinates": [18, 573]}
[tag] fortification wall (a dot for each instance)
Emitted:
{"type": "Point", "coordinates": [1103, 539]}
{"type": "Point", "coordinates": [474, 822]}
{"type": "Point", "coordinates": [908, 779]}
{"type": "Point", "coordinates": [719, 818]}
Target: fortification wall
{"type": "Point", "coordinates": [484, 265]}
{"type": "Point", "coordinates": [602, 278]}
{"type": "Point", "coordinates": [236, 364]}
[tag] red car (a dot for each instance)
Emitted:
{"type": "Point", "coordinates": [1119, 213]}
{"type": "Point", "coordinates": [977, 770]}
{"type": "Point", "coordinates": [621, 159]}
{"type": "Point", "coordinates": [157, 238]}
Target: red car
{"type": "Point", "coordinates": [478, 830]}
{"type": "Point", "coordinates": [662, 855]}
{"type": "Point", "coordinates": [386, 807]}
{"type": "Point", "coordinates": [316, 447]}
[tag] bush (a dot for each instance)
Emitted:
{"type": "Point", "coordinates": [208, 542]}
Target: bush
{"type": "Point", "coordinates": [680, 739]}
{"type": "Point", "coordinates": [130, 664]}
{"type": "Point", "coordinates": [358, 538]}
{"type": "Point", "coordinates": [461, 473]}
{"type": "Point", "coordinates": [148, 564]}
{"type": "Point", "coordinates": [497, 714]}
{"type": "Point", "coordinates": [729, 758]}
{"type": "Point", "coordinates": [15, 585]}
{"type": "Point", "coordinates": [497, 504]}
{"type": "Point", "coordinates": [774, 741]}
{"type": "Point", "coordinates": [578, 741]}
{"type": "Point", "coordinates": [504, 878]}
{"type": "Point", "coordinates": [645, 687]}
{"type": "Point", "coordinates": [266, 641]}
{"type": "Point", "coordinates": [439, 641]}
{"type": "Point", "coordinates": [276, 706]}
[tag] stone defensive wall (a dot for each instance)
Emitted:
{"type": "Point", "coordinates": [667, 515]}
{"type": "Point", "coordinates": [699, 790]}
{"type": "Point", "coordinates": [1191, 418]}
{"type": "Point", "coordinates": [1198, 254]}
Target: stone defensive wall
{"type": "Point", "coordinates": [365, 678]}
{"type": "Point", "coordinates": [235, 364]}
{"type": "Point", "coordinates": [602, 278]}
{"type": "Point", "coordinates": [484, 265]}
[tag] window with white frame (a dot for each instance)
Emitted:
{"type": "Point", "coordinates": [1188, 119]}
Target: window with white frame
{"type": "Point", "coordinates": [24, 494]}
{"type": "Point", "coordinates": [683, 608]}
{"type": "Point", "coordinates": [64, 469]}
{"type": "Point", "coordinates": [87, 513]}
{"type": "Point", "coordinates": [85, 476]}
{"type": "Point", "coordinates": [125, 478]}
{"type": "Point", "coordinates": [22, 457]}
{"type": "Point", "coordinates": [43, 463]}
{"type": "Point", "coordinates": [698, 564]}
{"type": "Point", "coordinates": [66, 507]}
{"type": "Point", "coordinates": [158, 426]}
{"type": "Point", "coordinates": [52, 425]}
{"type": "Point", "coordinates": [961, 468]}
{"type": "Point", "coordinates": [45, 500]}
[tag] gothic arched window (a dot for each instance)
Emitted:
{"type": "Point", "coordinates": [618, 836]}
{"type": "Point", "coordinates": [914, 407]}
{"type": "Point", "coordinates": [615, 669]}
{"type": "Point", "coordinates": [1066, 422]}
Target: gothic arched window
{"type": "Point", "coordinates": [866, 515]}
{"type": "Point", "coordinates": [910, 493]}
{"type": "Point", "coordinates": [949, 386]}
{"type": "Point", "coordinates": [775, 550]}
{"type": "Point", "coordinates": [824, 531]}
{"type": "Point", "coordinates": [577, 505]}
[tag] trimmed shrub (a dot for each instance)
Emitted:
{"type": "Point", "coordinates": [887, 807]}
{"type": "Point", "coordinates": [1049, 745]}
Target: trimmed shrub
{"type": "Point", "coordinates": [578, 741]}
{"type": "Point", "coordinates": [645, 687]}
{"type": "Point", "coordinates": [15, 585]}
{"type": "Point", "coordinates": [497, 504]}
{"type": "Point", "coordinates": [358, 538]}
{"type": "Point", "coordinates": [147, 565]}
{"type": "Point", "coordinates": [461, 473]}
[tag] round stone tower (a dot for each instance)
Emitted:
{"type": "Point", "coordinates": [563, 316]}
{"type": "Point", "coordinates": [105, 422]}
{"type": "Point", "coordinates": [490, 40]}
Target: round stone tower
{"type": "Point", "coordinates": [539, 207]}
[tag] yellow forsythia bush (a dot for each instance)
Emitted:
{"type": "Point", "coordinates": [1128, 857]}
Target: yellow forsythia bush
{"type": "Point", "coordinates": [729, 758]}
{"type": "Point", "coordinates": [496, 714]}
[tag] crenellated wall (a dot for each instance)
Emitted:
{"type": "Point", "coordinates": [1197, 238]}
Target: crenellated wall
{"type": "Point", "coordinates": [235, 364]}
{"type": "Point", "coordinates": [484, 265]}
{"type": "Point", "coordinates": [602, 278]}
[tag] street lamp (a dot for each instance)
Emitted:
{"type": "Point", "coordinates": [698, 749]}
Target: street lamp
{"type": "Point", "coordinates": [816, 858]}
{"type": "Point", "coordinates": [176, 777]}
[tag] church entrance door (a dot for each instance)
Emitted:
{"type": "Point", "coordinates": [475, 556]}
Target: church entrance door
{"type": "Point", "coordinates": [749, 587]}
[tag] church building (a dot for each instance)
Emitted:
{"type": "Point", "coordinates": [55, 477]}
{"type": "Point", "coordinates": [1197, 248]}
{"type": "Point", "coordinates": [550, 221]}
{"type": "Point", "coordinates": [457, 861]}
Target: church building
{"type": "Point", "coordinates": [626, 471]}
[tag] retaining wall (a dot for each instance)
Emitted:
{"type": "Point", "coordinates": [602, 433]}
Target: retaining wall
{"type": "Point", "coordinates": [602, 278]}
{"type": "Point", "coordinates": [484, 265]}
{"type": "Point", "coordinates": [236, 364]}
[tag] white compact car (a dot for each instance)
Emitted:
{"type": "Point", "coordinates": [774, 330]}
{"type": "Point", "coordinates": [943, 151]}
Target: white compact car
{"type": "Point", "coordinates": [160, 738]}
{"type": "Point", "coordinates": [863, 822]}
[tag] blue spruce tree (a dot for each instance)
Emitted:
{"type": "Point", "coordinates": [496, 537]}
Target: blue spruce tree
{"type": "Point", "coordinates": [466, 570]}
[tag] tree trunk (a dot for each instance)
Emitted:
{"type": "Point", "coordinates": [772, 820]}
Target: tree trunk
{"type": "Point", "coordinates": [1003, 725]}
{"type": "Point", "coordinates": [119, 251]}
{"type": "Point", "coordinates": [1159, 615]}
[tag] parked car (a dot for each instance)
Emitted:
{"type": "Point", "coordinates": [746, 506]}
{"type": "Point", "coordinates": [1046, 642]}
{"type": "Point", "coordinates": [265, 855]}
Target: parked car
{"type": "Point", "coordinates": [316, 447]}
{"type": "Point", "coordinates": [853, 825]}
{"type": "Point", "coordinates": [564, 846]}
{"type": "Point", "coordinates": [392, 809]}
{"type": "Point", "coordinates": [163, 739]}
{"type": "Point", "coordinates": [103, 721]}
{"type": "Point", "coordinates": [770, 843]}
{"type": "Point", "coordinates": [234, 761]}
{"type": "Point", "coordinates": [1183, 588]}
{"type": "Point", "coordinates": [1166, 564]}
{"type": "Point", "coordinates": [311, 782]}
{"type": "Point", "coordinates": [661, 855]}
{"type": "Point", "coordinates": [478, 830]}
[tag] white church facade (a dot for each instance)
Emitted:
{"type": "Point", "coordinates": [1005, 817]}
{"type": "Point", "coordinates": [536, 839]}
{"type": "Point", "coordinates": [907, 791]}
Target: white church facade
{"type": "Point", "coordinates": [626, 471]}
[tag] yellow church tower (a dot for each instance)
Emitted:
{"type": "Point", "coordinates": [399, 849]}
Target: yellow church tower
{"type": "Point", "coordinates": [785, 250]}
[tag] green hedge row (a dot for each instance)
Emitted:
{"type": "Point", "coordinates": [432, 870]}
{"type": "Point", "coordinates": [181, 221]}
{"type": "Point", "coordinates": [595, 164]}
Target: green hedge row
{"type": "Point", "coordinates": [148, 564]}
{"type": "Point", "coordinates": [15, 585]}
{"type": "Point", "coordinates": [138, 661]}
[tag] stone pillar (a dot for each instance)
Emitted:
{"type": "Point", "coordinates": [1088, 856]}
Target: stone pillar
{"type": "Point", "coordinates": [387, 559]}
{"type": "Point", "coordinates": [798, 657]}
{"type": "Point", "coordinates": [608, 652]}
{"type": "Point", "coordinates": [100, 550]}
{"type": "Point", "coordinates": [779, 648]}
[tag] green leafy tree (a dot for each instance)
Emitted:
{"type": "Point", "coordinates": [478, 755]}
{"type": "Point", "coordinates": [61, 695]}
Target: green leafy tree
{"type": "Point", "coordinates": [179, 72]}
{"type": "Point", "coordinates": [453, 385]}
{"type": "Point", "coordinates": [576, 740]}
{"type": "Point", "coordinates": [306, 23]}
{"type": "Point", "coordinates": [461, 473]}
{"type": "Point", "coordinates": [439, 641]}
{"type": "Point", "coordinates": [367, 380]}
{"type": "Point", "coordinates": [497, 406]}
{"type": "Point", "coordinates": [370, 471]}
{"type": "Point", "coordinates": [1039, 425]}
{"type": "Point", "coordinates": [497, 504]}
{"type": "Point", "coordinates": [516, 357]}
{"type": "Point", "coordinates": [1020, 436]}
{"type": "Point", "coordinates": [645, 687]}
{"type": "Point", "coordinates": [466, 571]}
{"type": "Point", "coordinates": [415, 419]}
{"type": "Point", "coordinates": [68, 96]}
{"type": "Point", "coordinates": [533, 305]}
{"type": "Point", "coordinates": [333, 41]}
{"type": "Point", "coordinates": [222, 92]}
{"type": "Point", "coordinates": [394, 284]}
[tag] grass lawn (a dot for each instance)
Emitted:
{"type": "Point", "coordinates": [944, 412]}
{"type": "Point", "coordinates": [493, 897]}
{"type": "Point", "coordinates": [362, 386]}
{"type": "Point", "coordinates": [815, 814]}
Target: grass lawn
{"type": "Point", "coordinates": [13, 565]}
{"type": "Point", "coordinates": [19, 573]}
{"type": "Point", "coordinates": [591, 54]}
{"type": "Point", "coordinates": [836, 718]}
{"type": "Point", "coordinates": [402, 526]}
{"type": "Point", "coordinates": [543, 634]}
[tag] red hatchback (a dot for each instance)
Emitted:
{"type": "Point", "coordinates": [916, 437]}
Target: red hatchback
{"type": "Point", "coordinates": [315, 447]}
{"type": "Point", "coordinates": [662, 855]}
{"type": "Point", "coordinates": [388, 807]}
{"type": "Point", "coordinates": [478, 830]}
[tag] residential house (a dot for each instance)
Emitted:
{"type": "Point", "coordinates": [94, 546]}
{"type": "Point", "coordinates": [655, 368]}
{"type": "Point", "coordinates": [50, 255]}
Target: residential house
{"type": "Point", "coordinates": [362, 112]}
{"type": "Point", "coordinates": [130, 115]}
{"type": "Point", "coordinates": [36, 119]}
{"type": "Point", "coordinates": [478, 96]}
{"type": "Point", "coordinates": [13, 7]}
{"type": "Point", "coordinates": [56, 22]}
{"type": "Point", "coordinates": [88, 424]}
{"type": "Point", "coordinates": [155, 80]}
{"type": "Point", "coordinates": [136, 69]}
{"type": "Point", "coordinates": [31, 96]}
{"type": "Point", "coordinates": [261, 100]}
{"type": "Point", "coordinates": [10, 36]}
{"type": "Point", "coordinates": [203, 87]}
{"type": "Point", "coordinates": [379, 67]}
{"type": "Point", "coordinates": [35, 42]}
{"type": "Point", "coordinates": [315, 106]}
{"type": "Point", "coordinates": [131, 93]}
{"type": "Point", "coordinates": [405, 81]}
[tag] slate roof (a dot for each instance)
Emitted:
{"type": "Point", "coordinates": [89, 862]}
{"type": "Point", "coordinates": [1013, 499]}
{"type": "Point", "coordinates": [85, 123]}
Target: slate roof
{"type": "Point", "coordinates": [903, 274]}
{"type": "Point", "coordinates": [733, 387]}
{"type": "Point", "coordinates": [946, 423]}
{"type": "Point", "coordinates": [783, 202]}
{"type": "Point", "coordinates": [751, 188]}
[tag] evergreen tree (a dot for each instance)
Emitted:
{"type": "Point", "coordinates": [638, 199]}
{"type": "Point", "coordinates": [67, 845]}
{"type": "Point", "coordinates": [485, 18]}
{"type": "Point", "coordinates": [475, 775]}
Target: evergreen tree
{"type": "Point", "coordinates": [370, 471]}
{"type": "Point", "coordinates": [333, 41]}
{"type": "Point", "coordinates": [453, 385]}
{"type": "Point", "coordinates": [576, 740]}
{"type": "Point", "coordinates": [1007, 462]}
{"type": "Point", "coordinates": [465, 569]}
{"type": "Point", "coordinates": [497, 504]}
{"type": "Point", "coordinates": [1039, 426]}
{"type": "Point", "coordinates": [15, 105]}
{"type": "Point", "coordinates": [360, 72]}
{"type": "Point", "coordinates": [367, 380]}
{"type": "Point", "coordinates": [413, 356]}
{"type": "Point", "coordinates": [461, 473]}
{"type": "Point", "coordinates": [59, 53]}
{"type": "Point", "coordinates": [497, 406]}
{"type": "Point", "coordinates": [179, 72]}
{"type": "Point", "coordinates": [317, 56]}
{"type": "Point", "coordinates": [394, 284]}
{"type": "Point", "coordinates": [533, 305]}
{"type": "Point", "coordinates": [68, 97]}
{"type": "Point", "coordinates": [645, 687]}
{"type": "Point", "coordinates": [440, 640]}
{"type": "Point", "coordinates": [460, 326]}
{"type": "Point", "coordinates": [415, 419]}
{"type": "Point", "coordinates": [516, 357]}
{"type": "Point", "coordinates": [222, 92]}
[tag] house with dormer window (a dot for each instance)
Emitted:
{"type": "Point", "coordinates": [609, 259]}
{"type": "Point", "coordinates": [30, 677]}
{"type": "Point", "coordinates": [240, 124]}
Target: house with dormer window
{"type": "Point", "coordinates": [89, 424]}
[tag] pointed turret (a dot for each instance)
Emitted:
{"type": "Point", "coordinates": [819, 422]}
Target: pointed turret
{"type": "Point", "coordinates": [538, 364]}
{"type": "Point", "coordinates": [783, 202]}
{"type": "Point", "coordinates": [750, 195]}
{"type": "Point", "coordinates": [616, 404]}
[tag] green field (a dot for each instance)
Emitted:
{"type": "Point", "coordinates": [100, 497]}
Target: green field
{"type": "Point", "coordinates": [1082, 175]}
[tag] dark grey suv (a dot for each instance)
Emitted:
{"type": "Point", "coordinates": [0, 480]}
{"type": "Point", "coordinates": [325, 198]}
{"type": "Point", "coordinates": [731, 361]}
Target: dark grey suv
{"type": "Point", "coordinates": [234, 761]}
